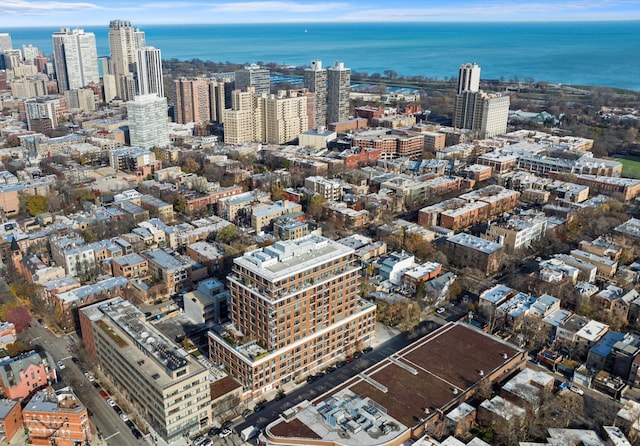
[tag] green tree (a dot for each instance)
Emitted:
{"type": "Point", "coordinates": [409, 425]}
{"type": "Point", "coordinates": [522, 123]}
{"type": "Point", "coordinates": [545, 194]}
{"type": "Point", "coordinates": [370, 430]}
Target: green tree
{"type": "Point", "coordinates": [180, 204]}
{"type": "Point", "coordinates": [36, 204]}
{"type": "Point", "coordinates": [227, 234]}
{"type": "Point", "coordinates": [315, 208]}
{"type": "Point", "coordinates": [276, 192]}
{"type": "Point", "coordinates": [421, 290]}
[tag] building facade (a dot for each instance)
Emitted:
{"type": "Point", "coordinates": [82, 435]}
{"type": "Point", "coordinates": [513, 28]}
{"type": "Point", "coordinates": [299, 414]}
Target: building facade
{"type": "Point", "coordinates": [339, 78]}
{"type": "Point", "coordinates": [315, 80]}
{"type": "Point", "coordinates": [294, 306]}
{"type": "Point", "coordinates": [256, 77]}
{"type": "Point", "coordinates": [149, 71]}
{"type": "Point", "coordinates": [76, 59]}
{"type": "Point", "coordinates": [168, 387]}
{"type": "Point", "coordinates": [148, 122]}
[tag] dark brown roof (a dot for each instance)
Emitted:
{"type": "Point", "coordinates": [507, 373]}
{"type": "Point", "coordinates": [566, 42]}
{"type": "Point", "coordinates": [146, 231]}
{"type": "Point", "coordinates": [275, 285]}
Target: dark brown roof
{"type": "Point", "coordinates": [223, 386]}
{"type": "Point", "coordinates": [294, 428]}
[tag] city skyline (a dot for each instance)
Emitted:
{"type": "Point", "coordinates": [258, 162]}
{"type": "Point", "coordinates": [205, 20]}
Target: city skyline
{"type": "Point", "coordinates": [24, 13]}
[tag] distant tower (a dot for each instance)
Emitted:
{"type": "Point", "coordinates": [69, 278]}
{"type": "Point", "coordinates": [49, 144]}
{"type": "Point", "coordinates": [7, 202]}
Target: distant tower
{"type": "Point", "coordinates": [469, 78]}
{"type": "Point", "coordinates": [76, 59]}
{"type": "Point", "coordinates": [148, 123]}
{"type": "Point", "coordinates": [339, 79]}
{"type": "Point", "coordinates": [122, 44]}
{"type": "Point", "coordinates": [315, 80]}
{"type": "Point", "coordinates": [256, 77]}
{"type": "Point", "coordinates": [149, 69]}
{"type": "Point", "coordinates": [475, 110]}
{"type": "Point", "coordinates": [5, 42]}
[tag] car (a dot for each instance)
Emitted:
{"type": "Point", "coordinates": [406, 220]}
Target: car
{"type": "Point", "coordinates": [279, 396]}
{"type": "Point", "coordinates": [96, 384]}
{"type": "Point", "coordinates": [330, 369]}
{"type": "Point", "coordinates": [577, 390]}
{"type": "Point", "coordinates": [207, 443]}
{"type": "Point", "coordinates": [214, 431]}
{"type": "Point", "coordinates": [75, 360]}
{"type": "Point", "coordinates": [440, 310]}
{"type": "Point", "coordinates": [310, 379]}
{"type": "Point", "coordinates": [258, 407]}
{"type": "Point", "coordinates": [118, 409]}
{"type": "Point", "coordinates": [319, 374]}
{"type": "Point", "coordinates": [341, 364]}
{"type": "Point", "coordinates": [367, 350]}
{"type": "Point", "coordinates": [229, 424]}
{"type": "Point", "coordinates": [130, 424]}
{"type": "Point", "coordinates": [61, 365]}
{"type": "Point", "coordinates": [225, 433]}
{"type": "Point", "coordinates": [200, 440]}
{"type": "Point", "coordinates": [136, 433]}
{"type": "Point", "coordinates": [89, 376]}
{"type": "Point", "coordinates": [350, 359]}
{"type": "Point", "coordinates": [104, 394]}
{"type": "Point", "coordinates": [110, 402]}
{"type": "Point", "coordinates": [357, 354]}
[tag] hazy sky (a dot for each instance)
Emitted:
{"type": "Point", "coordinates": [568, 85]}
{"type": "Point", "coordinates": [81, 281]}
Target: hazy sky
{"type": "Point", "coordinates": [14, 13]}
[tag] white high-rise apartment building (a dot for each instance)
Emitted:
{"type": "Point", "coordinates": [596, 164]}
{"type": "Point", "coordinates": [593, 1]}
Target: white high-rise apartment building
{"type": "Point", "coordinates": [315, 80]}
{"type": "Point", "coordinates": [29, 52]}
{"type": "Point", "coordinates": [122, 43]}
{"type": "Point", "coordinates": [149, 69]}
{"type": "Point", "coordinates": [5, 42]}
{"type": "Point", "coordinates": [484, 113]}
{"type": "Point", "coordinates": [468, 78]}
{"type": "Point", "coordinates": [254, 76]}
{"type": "Point", "coordinates": [76, 59]}
{"type": "Point", "coordinates": [148, 123]}
{"type": "Point", "coordinates": [339, 79]}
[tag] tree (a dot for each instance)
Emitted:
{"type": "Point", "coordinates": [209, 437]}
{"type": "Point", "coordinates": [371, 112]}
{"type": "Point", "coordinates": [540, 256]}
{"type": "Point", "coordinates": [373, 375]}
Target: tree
{"type": "Point", "coordinates": [227, 234]}
{"type": "Point", "coordinates": [180, 204]}
{"type": "Point", "coordinates": [421, 290]}
{"type": "Point", "coordinates": [17, 347]}
{"type": "Point", "coordinates": [36, 204]}
{"type": "Point", "coordinates": [190, 165]}
{"type": "Point", "coordinates": [315, 207]}
{"type": "Point", "coordinates": [276, 192]}
{"type": "Point", "coordinates": [20, 317]}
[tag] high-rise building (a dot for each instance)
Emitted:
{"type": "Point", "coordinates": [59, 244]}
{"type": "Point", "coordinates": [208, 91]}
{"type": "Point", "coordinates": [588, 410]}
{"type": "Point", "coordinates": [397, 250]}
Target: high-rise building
{"type": "Point", "coordinates": [256, 77]}
{"type": "Point", "coordinates": [76, 59]}
{"type": "Point", "coordinates": [122, 44]}
{"type": "Point", "coordinates": [149, 71]}
{"type": "Point", "coordinates": [30, 52]}
{"type": "Point", "coordinates": [484, 113]}
{"type": "Point", "coordinates": [294, 306]}
{"type": "Point", "coordinates": [286, 115]}
{"type": "Point", "coordinates": [45, 108]}
{"type": "Point", "coordinates": [5, 42]}
{"type": "Point", "coordinates": [315, 80]}
{"type": "Point", "coordinates": [82, 98]}
{"type": "Point", "coordinates": [468, 77]}
{"type": "Point", "coordinates": [166, 385]}
{"type": "Point", "coordinates": [192, 100]}
{"type": "Point", "coordinates": [242, 123]}
{"type": "Point", "coordinates": [148, 123]}
{"type": "Point", "coordinates": [339, 79]}
{"type": "Point", "coordinates": [219, 89]}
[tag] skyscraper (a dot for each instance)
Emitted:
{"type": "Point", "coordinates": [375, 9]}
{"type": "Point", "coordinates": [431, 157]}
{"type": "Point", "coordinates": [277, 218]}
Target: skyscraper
{"type": "Point", "coordinates": [149, 71]}
{"type": "Point", "coordinates": [5, 42]}
{"type": "Point", "coordinates": [315, 80]}
{"type": "Point", "coordinates": [339, 79]}
{"type": "Point", "coordinates": [123, 57]}
{"type": "Point", "coordinates": [256, 77]}
{"type": "Point", "coordinates": [148, 124]}
{"type": "Point", "coordinates": [468, 77]}
{"type": "Point", "coordinates": [484, 113]}
{"type": "Point", "coordinates": [76, 59]}
{"type": "Point", "coordinates": [192, 100]}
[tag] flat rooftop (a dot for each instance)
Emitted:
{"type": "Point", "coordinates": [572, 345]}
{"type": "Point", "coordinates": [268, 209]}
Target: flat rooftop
{"type": "Point", "coordinates": [415, 383]}
{"type": "Point", "coordinates": [477, 243]}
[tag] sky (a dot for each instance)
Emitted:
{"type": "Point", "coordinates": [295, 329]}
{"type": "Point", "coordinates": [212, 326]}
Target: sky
{"type": "Point", "coordinates": [19, 13]}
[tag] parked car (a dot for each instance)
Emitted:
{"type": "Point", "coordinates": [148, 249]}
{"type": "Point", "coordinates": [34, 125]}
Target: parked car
{"type": "Point", "coordinates": [311, 378]}
{"type": "Point", "coordinates": [104, 394]}
{"type": "Point", "coordinates": [440, 310]}
{"type": "Point", "coordinates": [257, 408]}
{"type": "Point", "coordinates": [136, 433]}
{"type": "Point", "coordinates": [61, 365]}
{"type": "Point", "coordinates": [214, 431]}
{"type": "Point", "coordinates": [130, 424]}
{"type": "Point", "coordinates": [330, 369]}
{"type": "Point", "coordinates": [229, 424]}
{"type": "Point", "coordinates": [118, 409]}
{"type": "Point", "coordinates": [341, 364]}
{"type": "Point", "coordinates": [75, 360]}
{"type": "Point", "coordinates": [577, 390]}
{"type": "Point", "coordinates": [357, 354]}
{"type": "Point", "coordinates": [200, 440]}
{"type": "Point", "coordinates": [367, 350]}
{"type": "Point", "coordinates": [246, 413]}
{"type": "Point", "coordinates": [225, 433]}
{"type": "Point", "coordinates": [110, 402]}
{"type": "Point", "coordinates": [124, 417]}
{"type": "Point", "coordinates": [96, 384]}
{"type": "Point", "coordinates": [279, 396]}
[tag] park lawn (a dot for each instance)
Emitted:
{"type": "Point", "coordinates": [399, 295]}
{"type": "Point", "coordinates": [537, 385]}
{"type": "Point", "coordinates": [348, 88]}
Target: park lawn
{"type": "Point", "coordinates": [630, 167]}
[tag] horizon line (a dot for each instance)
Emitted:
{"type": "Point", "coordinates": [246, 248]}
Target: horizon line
{"type": "Point", "coordinates": [324, 22]}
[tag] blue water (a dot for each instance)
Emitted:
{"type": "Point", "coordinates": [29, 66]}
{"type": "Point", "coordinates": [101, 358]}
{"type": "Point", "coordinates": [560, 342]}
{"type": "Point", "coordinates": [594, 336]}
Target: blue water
{"type": "Point", "coordinates": [596, 53]}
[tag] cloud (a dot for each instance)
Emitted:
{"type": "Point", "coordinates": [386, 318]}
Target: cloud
{"type": "Point", "coordinates": [24, 7]}
{"type": "Point", "coordinates": [278, 7]}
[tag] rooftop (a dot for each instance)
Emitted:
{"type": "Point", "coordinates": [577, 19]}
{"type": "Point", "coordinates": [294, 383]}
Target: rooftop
{"type": "Point", "coordinates": [476, 243]}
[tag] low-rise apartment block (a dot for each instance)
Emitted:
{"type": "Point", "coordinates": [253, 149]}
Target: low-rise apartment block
{"type": "Point", "coordinates": [468, 250]}
{"type": "Point", "coordinates": [26, 373]}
